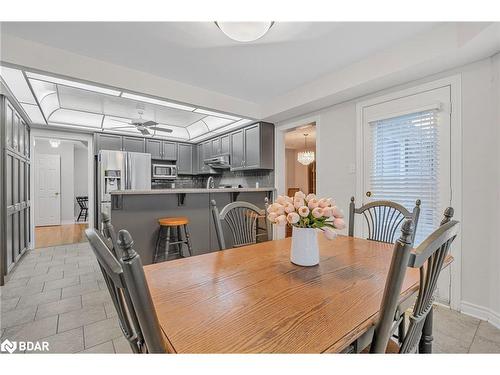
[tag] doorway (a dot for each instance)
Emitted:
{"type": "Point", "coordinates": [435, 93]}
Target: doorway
{"type": "Point", "coordinates": [300, 161]}
{"type": "Point", "coordinates": [61, 190]}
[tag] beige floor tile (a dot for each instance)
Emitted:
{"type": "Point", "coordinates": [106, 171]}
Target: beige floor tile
{"type": "Point", "coordinates": [96, 298]}
{"type": "Point", "coordinates": [46, 277]}
{"type": "Point", "coordinates": [122, 345]}
{"type": "Point", "coordinates": [61, 283]}
{"type": "Point", "coordinates": [104, 348]}
{"type": "Point", "coordinates": [18, 316]}
{"type": "Point", "coordinates": [66, 342]}
{"type": "Point", "coordinates": [489, 332]}
{"type": "Point", "coordinates": [80, 289]}
{"type": "Point", "coordinates": [481, 345]}
{"type": "Point", "coordinates": [9, 292]}
{"type": "Point", "coordinates": [44, 297]}
{"type": "Point", "coordinates": [58, 307]}
{"type": "Point", "coordinates": [80, 317]}
{"type": "Point", "coordinates": [32, 331]}
{"type": "Point", "coordinates": [110, 309]}
{"type": "Point", "coordinates": [454, 328]}
{"type": "Point", "coordinates": [9, 304]}
{"type": "Point", "coordinates": [99, 332]}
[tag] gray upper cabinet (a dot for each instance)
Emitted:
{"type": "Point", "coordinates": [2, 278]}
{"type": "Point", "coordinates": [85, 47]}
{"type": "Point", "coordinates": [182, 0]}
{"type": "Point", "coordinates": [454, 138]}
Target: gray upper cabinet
{"type": "Point", "coordinates": [108, 142]}
{"type": "Point", "coordinates": [169, 151]}
{"type": "Point", "coordinates": [154, 147]}
{"type": "Point", "coordinates": [224, 144]}
{"type": "Point", "coordinates": [185, 159]}
{"type": "Point", "coordinates": [215, 146]}
{"type": "Point", "coordinates": [253, 147]}
{"type": "Point", "coordinates": [133, 144]}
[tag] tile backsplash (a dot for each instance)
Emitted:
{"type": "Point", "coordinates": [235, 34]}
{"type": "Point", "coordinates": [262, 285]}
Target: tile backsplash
{"type": "Point", "coordinates": [265, 178]}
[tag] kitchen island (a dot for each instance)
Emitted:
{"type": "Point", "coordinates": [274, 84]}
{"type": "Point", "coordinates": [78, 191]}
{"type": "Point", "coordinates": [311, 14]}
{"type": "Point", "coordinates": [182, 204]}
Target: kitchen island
{"type": "Point", "coordinates": [138, 212]}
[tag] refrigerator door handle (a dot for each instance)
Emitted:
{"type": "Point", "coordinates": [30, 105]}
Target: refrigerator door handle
{"type": "Point", "coordinates": [127, 171]}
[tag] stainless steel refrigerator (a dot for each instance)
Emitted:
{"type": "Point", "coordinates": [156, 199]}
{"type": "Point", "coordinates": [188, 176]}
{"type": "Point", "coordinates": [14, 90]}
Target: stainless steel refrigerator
{"type": "Point", "coordinates": [118, 170]}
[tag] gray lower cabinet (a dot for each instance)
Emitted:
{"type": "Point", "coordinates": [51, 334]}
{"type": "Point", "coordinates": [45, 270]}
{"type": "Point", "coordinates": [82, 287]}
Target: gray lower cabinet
{"type": "Point", "coordinates": [184, 158]}
{"type": "Point", "coordinates": [133, 144]}
{"type": "Point", "coordinates": [253, 147]}
{"type": "Point", "coordinates": [14, 186]}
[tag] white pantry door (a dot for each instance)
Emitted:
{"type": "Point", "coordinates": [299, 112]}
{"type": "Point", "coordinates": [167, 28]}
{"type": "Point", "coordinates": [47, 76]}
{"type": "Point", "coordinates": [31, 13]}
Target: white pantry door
{"type": "Point", "coordinates": [48, 190]}
{"type": "Point", "coordinates": [406, 151]}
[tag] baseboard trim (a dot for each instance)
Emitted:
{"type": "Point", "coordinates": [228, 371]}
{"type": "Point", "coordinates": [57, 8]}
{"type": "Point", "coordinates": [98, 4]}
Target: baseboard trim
{"type": "Point", "coordinates": [481, 312]}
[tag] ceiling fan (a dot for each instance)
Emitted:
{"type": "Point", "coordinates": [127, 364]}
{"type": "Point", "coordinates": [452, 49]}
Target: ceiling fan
{"type": "Point", "coordinates": [144, 126]}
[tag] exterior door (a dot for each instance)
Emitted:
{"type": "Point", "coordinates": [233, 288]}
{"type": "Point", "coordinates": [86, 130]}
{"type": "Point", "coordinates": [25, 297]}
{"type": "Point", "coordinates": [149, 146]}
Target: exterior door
{"type": "Point", "coordinates": [407, 157]}
{"type": "Point", "coordinates": [48, 190]}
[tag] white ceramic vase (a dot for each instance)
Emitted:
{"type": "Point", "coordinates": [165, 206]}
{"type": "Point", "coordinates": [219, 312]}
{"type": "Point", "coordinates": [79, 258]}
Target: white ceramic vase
{"type": "Point", "coordinates": [305, 250]}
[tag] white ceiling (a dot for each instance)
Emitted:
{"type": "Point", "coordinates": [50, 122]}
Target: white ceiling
{"type": "Point", "coordinates": [197, 53]}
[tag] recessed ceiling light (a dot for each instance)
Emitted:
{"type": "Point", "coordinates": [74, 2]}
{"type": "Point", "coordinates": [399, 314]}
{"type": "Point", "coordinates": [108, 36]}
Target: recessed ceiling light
{"type": "Point", "coordinates": [157, 102]}
{"type": "Point", "coordinates": [244, 31]}
{"type": "Point", "coordinates": [217, 114]}
{"type": "Point", "coordinates": [75, 84]}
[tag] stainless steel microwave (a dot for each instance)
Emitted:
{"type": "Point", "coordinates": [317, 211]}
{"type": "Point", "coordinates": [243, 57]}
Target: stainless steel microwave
{"type": "Point", "coordinates": [164, 171]}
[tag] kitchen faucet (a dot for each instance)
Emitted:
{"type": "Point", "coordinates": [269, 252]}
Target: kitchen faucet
{"type": "Point", "coordinates": [210, 183]}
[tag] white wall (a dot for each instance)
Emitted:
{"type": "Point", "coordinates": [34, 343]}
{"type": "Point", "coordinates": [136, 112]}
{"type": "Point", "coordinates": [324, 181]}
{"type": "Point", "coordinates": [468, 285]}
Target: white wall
{"type": "Point", "coordinates": [480, 176]}
{"type": "Point", "coordinates": [66, 152]}
{"type": "Point", "coordinates": [80, 175]}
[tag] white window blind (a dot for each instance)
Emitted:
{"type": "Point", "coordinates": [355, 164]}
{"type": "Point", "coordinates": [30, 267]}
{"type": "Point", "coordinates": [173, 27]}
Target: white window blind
{"type": "Point", "coordinates": [404, 165]}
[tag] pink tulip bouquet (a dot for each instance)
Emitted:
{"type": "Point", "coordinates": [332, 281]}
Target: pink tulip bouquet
{"type": "Point", "coordinates": [307, 211]}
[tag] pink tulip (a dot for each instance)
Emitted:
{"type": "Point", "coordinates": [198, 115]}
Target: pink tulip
{"type": "Point", "coordinates": [289, 200]}
{"type": "Point", "coordinates": [289, 208]}
{"type": "Point", "coordinates": [297, 203]}
{"type": "Point", "coordinates": [317, 212]}
{"type": "Point", "coordinates": [339, 223]}
{"type": "Point", "coordinates": [299, 195]}
{"type": "Point", "coordinates": [310, 196]}
{"type": "Point", "coordinates": [293, 217]}
{"type": "Point", "coordinates": [272, 217]}
{"type": "Point", "coordinates": [281, 220]}
{"type": "Point", "coordinates": [330, 202]}
{"type": "Point", "coordinates": [330, 233]}
{"type": "Point", "coordinates": [312, 204]}
{"type": "Point", "coordinates": [337, 212]}
{"type": "Point", "coordinates": [281, 200]}
{"type": "Point", "coordinates": [273, 207]}
{"type": "Point", "coordinates": [304, 211]}
{"type": "Point", "coordinates": [327, 211]}
{"type": "Point", "coordinates": [322, 203]}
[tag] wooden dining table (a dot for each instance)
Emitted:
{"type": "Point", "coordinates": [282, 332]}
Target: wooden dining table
{"type": "Point", "coordinates": [252, 299]}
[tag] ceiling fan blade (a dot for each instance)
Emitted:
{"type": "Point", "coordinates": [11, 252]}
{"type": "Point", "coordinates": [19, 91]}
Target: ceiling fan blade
{"type": "Point", "coordinates": [149, 123]}
{"type": "Point", "coordinates": [144, 131]}
{"type": "Point", "coordinates": [125, 122]}
{"type": "Point", "coordinates": [120, 127]}
{"type": "Point", "coordinates": [160, 129]}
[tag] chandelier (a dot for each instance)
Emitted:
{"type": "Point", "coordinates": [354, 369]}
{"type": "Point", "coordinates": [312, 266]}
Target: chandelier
{"type": "Point", "coordinates": [305, 157]}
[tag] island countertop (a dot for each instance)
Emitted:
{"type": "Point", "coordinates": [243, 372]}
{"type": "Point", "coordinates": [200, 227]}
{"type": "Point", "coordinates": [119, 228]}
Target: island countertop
{"type": "Point", "coordinates": [191, 191]}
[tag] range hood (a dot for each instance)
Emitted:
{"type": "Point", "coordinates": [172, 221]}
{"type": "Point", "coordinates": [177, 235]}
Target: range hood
{"type": "Point", "coordinates": [218, 162]}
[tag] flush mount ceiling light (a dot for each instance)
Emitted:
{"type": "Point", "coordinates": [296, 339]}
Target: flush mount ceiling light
{"type": "Point", "coordinates": [54, 143]}
{"type": "Point", "coordinates": [305, 157]}
{"type": "Point", "coordinates": [244, 31]}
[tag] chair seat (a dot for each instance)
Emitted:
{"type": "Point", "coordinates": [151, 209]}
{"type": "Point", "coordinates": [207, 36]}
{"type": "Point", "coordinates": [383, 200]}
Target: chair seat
{"type": "Point", "coordinates": [173, 221]}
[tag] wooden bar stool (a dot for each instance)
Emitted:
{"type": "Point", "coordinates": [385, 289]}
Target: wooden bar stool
{"type": "Point", "coordinates": [172, 226]}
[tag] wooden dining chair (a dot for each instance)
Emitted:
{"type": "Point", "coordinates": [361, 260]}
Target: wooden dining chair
{"type": "Point", "coordinates": [429, 257]}
{"type": "Point", "coordinates": [129, 292]}
{"type": "Point", "coordinates": [241, 219]}
{"type": "Point", "coordinates": [109, 234]}
{"type": "Point", "coordinates": [383, 219]}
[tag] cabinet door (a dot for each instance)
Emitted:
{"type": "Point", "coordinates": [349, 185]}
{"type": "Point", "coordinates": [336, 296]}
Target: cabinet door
{"type": "Point", "coordinates": [251, 158]}
{"type": "Point", "coordinates": [185, 159]}
{"type": "Point", "coordinates": [15, 132]}
{"type": "Point", "coordinates": [224, 144]}
{"type": "Point", "coordinates": [153, 147]}
{"type": "Point", "coordinates": [169, 151]}
{"type": "Point", "coordinates": [22, 125]}
{"type": "Point", "coordinates": [199, 155]}
{"type": "Point", "coordinates": [215, 149]}
{"type": "Point", "coordinates": [9, 124]}
{"type": "Point", "coordinates": [27, 141]}
{"type": "Point", "coordinates": [237, 147]}
{"type": "Point", "coordinates": [133, 144]}
{"type": "Point", "coordinates": [109, 142]}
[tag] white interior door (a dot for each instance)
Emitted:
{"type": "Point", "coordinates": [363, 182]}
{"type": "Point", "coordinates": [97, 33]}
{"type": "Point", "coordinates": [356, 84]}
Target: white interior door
{"type": "Point", "coordinates": [407, 157]}
{"type": "Point", "coordinates": [48, 190]}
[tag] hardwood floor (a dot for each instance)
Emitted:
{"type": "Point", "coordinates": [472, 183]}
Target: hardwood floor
{"type": "Point", "coordinates": [59, 235]}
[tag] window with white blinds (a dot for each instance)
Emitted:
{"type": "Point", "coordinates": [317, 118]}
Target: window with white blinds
{"type": "Point", "coordinates": [404, 165]}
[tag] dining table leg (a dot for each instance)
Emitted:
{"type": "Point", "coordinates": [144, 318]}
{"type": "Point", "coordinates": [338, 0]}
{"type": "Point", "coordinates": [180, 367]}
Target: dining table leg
{"type": "Point", "coordinates": [425, 345]}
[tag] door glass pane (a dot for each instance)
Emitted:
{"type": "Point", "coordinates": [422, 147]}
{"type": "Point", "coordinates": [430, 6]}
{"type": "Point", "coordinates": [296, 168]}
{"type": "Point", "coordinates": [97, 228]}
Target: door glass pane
{"type": "Point", "coordinates": [9, 124]}
{"type": "Point", "coordinates": [9, 184]}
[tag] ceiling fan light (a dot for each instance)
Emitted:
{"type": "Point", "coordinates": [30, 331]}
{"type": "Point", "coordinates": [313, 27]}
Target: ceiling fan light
{"type": "Point", "coordinates": [244, 31]}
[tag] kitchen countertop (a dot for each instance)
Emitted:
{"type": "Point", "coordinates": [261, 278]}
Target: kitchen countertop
{"type": "Point", "coordinates": [190, 191]}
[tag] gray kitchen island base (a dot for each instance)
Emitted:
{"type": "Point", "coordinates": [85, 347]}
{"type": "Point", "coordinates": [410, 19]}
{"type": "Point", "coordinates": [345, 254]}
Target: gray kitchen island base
{"type": "Point", "coordinates": [138, 212]}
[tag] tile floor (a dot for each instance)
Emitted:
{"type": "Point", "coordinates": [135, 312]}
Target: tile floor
{"type": "Point", "coordinates": [57, 294]}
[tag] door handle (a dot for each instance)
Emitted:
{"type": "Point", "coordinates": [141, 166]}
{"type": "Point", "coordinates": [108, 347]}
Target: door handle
{"type": "Point", "coordinates": [368, 194]}
{"type": "Point", "coordinates": [56, 193]}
